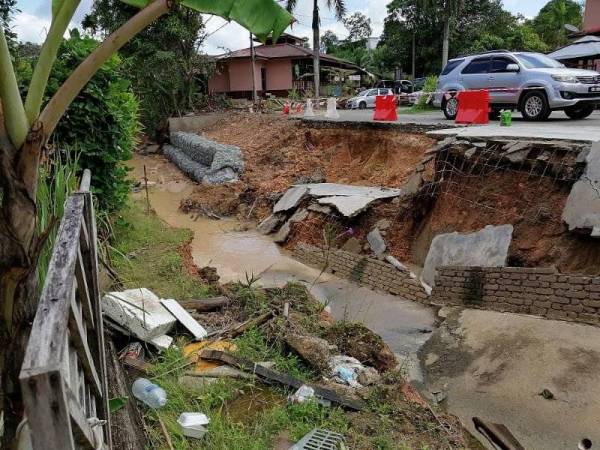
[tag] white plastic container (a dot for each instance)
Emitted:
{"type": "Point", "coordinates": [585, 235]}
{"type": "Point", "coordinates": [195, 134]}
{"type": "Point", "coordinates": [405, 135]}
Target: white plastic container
{"type": "Point", "coordinates": [151, 394]}
{"type": "Point", "coordinates": [193, 424]}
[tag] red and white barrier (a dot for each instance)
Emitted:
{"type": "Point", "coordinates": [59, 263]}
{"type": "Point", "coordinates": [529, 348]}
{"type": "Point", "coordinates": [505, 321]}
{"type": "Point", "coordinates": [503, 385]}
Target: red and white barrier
{"type": "Point", "coordinates": [385, 108]}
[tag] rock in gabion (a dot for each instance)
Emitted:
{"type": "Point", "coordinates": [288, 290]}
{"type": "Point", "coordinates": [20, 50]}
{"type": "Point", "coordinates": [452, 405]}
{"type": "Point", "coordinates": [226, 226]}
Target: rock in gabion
{"type": "Point", "coordinates": [205, 160]}
{"type": "Point", "coordinates": [193, 169]}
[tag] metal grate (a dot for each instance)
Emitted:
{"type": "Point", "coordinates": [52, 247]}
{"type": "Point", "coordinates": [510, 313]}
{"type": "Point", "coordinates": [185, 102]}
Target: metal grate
{"type": "Point", "coordinates": [319, 439]}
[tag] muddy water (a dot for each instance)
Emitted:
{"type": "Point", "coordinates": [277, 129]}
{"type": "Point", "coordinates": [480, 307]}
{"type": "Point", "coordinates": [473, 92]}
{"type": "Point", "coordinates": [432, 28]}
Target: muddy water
{"type": "Point", "coordinates": [236, 250]}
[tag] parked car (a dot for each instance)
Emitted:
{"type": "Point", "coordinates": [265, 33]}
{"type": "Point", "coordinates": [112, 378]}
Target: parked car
{"type": "Point", "coordinates": [366, 99]}
{"type": "Point", "coordinates": [529, 82]}
{"type": "Point", "coordinates": [418, 84]}
{"type": "Point", "coordinates": [398, 86]}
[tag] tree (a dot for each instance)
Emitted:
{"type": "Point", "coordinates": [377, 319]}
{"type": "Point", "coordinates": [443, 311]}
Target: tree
{"type": "Point", "coordinates": [25, 128]}
{"type": "Point", "coordinates": [329, 41]}
{"type": "Point", "coordinates": [165, 64]}
{"type": "Point", "coordinates": [358, 26]}
{"type": "Point", "coordinates": [339, 9]}
{"type": "Point", "coordinates": [449, 11]}
{"type": "Point", "coordinates": [552, 18]}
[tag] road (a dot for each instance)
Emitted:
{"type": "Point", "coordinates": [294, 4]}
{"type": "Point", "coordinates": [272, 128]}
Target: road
{"type": "Point", "coordinates": [558, 126]}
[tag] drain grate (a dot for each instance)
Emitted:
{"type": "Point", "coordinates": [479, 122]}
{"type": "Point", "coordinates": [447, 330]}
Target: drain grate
{"type": "Point", "coordinates": [319, 439]}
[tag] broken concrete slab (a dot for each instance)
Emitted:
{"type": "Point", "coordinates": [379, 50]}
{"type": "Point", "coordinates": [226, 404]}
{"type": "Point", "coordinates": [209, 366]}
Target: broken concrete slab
{"type": "Point", "coordinates": [140, 312]}
{"type": "Point", "coordinates": [281, 236]}
{"type": "Point", "coordinates": [334, 189]}
{"type": "Point", "coordinates": [582, 210]}
{"type": "Point", "coordinates": [376, 241]}
{"type": "Point", "coordinates": [299, 215]}
{"type": "Point", "coordinates": [486, 248]}
{"type": "Point", "coordinates": [291, 198]}
{"type": "Point", "coordinates": [323, 209]}
{"type": "Point", "coordinates": [269, 225]}
{"type": "Point", "coordinates": [413, 184]}
{"type": "Point", "coordinates": [348, 206]}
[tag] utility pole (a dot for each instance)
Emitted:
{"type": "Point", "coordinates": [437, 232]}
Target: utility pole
{"type": "Point", "coordinates": [253, 57]}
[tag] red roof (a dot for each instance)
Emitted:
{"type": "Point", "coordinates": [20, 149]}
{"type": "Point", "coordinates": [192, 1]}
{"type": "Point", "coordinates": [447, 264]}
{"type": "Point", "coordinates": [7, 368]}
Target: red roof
{"type": "Point", "coordinates": [282, 51]}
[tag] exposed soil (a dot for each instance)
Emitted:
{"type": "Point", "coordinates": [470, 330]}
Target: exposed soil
{"type": "Point", "coordinates": [279, 152]}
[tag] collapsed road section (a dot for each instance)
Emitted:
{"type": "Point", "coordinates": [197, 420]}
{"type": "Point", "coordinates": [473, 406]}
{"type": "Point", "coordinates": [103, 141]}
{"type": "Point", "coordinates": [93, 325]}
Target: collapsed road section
{"type": "Point", "coordinates": [446, 193]}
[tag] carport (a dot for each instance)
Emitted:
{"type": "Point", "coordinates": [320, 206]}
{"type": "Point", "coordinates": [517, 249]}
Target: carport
{"type": "Point", "coordinates": [584, 53]}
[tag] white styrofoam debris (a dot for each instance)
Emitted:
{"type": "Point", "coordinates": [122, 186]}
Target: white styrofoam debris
{"type": "Point", "coordinates": [139, 311]}
{"type": "Point", "coordinates": [184, 318]}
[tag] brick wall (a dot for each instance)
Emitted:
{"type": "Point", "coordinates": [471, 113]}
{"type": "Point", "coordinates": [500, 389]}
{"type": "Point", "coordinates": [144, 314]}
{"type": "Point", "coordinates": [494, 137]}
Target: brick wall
{"type": "Point", "coordinates": [541, 292]}
{"type": "Point", "coordinates": [363, 270]}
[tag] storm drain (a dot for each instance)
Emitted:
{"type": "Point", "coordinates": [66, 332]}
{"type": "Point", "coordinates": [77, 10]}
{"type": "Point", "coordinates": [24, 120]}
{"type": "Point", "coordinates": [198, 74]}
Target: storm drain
{"type": "Point", "coordinates": [320, 440]}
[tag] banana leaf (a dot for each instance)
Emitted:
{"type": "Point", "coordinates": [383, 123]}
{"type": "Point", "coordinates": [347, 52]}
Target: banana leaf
{"type": "Point", "coordinates": [261, 17]}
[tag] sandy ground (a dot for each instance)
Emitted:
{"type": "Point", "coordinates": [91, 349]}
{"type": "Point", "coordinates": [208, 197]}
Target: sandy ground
{"type": "Point", "coordinates": [495, 365]}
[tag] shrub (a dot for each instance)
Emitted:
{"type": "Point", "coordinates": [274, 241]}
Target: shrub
{"type": "Point", "coordinates": [101, 125]}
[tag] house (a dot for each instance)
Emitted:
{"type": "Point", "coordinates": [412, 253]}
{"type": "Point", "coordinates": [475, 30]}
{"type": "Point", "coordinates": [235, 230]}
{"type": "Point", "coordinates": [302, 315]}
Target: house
{"type": "Point", "coordinates": [584, 51]}
{"type": "Point", "coordinates": [279, 68]}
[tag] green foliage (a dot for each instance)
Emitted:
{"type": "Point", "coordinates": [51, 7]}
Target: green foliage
{"type": "Point", "coordinates": [552, 18]}
{"type": "Point", "coordinates": [101, 125]}
{"type": "Point", "coordinates": [358, 26]}
{"type": "Point", "coordinates": [145, 254]}
{"type": "Point", "coordinates": [429, 86]}
{"type": "Point", "coordinates": [165, 66]}
{"type": "Point", "coordinates": [57, 180]}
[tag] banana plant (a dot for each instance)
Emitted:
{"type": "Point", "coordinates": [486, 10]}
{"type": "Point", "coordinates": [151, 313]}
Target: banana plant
{"type": "Point", "coordinates": [25, 126]}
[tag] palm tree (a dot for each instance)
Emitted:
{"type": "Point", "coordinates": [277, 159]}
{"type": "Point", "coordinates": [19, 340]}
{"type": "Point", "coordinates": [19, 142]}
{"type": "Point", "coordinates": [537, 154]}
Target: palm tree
{"type": "Point", "coordinates": [449, 10]}
{"type": "Point", "coordinates": [339, 8]}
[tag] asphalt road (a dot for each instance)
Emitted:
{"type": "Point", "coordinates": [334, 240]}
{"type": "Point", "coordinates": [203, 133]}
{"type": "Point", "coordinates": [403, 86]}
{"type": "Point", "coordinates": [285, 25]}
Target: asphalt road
{"type": "Point", "coordinates": [558, 126]}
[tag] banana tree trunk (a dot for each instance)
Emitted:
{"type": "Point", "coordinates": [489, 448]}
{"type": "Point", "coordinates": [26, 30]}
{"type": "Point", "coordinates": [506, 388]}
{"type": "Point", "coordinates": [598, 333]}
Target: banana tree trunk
{"type": "Point", "coordinates": [316, 46]}
{"type": "Point", "coordinates": [19, 249]}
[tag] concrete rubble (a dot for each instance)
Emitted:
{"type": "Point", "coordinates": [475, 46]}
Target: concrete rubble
{"type": "Point", "coordinates": [205, 161]}
{"type": "Point", "coordinates": [484, 248]}
{"type": "Point", "coordinates": [582, 210]}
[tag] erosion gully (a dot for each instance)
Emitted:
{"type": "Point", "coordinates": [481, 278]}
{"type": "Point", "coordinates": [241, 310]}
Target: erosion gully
{"type": "Point", "coordinates": [492, 365]}
{"type": "Point", "coordinates": [237, 250]}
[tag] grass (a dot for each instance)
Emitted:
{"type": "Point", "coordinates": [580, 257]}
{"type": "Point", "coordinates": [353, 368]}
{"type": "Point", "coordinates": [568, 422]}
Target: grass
{"type": "Point", "coordinates": [145, 254]}
{"type": "Point", "coordinates": [236, 420]}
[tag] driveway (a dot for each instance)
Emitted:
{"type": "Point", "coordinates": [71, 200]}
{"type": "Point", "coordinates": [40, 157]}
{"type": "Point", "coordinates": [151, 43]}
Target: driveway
{"type": "Point", "coordinates": [558, 126]}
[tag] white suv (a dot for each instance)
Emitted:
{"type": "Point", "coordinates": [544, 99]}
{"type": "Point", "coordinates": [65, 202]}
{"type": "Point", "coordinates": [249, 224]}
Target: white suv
{"type": "Point", "coordinates": [532, 83]}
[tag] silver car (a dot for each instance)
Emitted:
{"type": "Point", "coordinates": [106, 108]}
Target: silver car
{"type": "Point", "coordinates": [532, 83]}
{"type": "Point", "coordinates": [366, 98]}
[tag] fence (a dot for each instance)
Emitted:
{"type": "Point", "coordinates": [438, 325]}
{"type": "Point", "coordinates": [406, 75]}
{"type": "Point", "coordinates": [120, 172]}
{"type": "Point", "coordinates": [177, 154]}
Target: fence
{"type": "Point", "coordinates": [63, 377]}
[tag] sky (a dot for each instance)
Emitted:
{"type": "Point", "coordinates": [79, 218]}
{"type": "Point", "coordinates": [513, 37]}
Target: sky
{"type": "Point", "coordinates": [32, 23]}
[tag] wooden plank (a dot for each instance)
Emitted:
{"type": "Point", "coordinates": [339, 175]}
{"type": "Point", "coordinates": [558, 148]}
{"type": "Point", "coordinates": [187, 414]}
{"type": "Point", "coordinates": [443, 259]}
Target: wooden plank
{"type": "Point", "coordinates": [82, 432]}
{"type": "Point", "coordinates": [84, 238]}
{"type": "Point", "coordinates": [47, 410]}
{"type": "Point", "coordinates": [84, 293]}
{"type": "Point", "coordinates": [103, 412]}
{"type": "Point", "coordinates": [271, 375]}
{"type": "Point", "coordinates": [205, 304]}
{"type": "Point", "coordinates": [79, 338]}
{"type": "Point", "coordinates": [46, 344]}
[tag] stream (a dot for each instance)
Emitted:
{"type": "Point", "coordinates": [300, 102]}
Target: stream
{"type": "Point", "coordinates": [238, 251]}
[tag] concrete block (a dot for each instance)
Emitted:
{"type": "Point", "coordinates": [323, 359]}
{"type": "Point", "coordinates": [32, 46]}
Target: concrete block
{"type": "Point", "coordinates": [486, 248]}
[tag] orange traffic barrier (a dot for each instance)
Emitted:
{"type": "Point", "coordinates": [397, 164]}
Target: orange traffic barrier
{"type": "Point", "coordinates": [473, 107]}
{"type": "Point", "coordinates": [385, 108]}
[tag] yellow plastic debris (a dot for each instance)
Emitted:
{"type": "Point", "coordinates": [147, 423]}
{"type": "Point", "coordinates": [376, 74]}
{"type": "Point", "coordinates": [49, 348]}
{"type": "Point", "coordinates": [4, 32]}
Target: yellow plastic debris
{"type": "Point", "coordinates": [193, 350]}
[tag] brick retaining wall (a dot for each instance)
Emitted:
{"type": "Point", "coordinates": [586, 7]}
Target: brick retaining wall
{"type": "Point", "coordinates": [538, 291]}
{"type": "Point", "coordinates": [363, 270]}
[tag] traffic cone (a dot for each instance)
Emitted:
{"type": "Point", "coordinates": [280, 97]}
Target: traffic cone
{"type": "Point", "coordinates": [298, 108]}
{"type": "Point", "coordinates": [286, 109]}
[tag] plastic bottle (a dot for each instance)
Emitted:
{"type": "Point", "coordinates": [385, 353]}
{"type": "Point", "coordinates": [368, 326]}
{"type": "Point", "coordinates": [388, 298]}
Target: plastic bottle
{"type": "Point", "coordinates": [151, 394]}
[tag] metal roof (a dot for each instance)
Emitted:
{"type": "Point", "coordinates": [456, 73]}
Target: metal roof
{"type": "Point", "coordinates": [584, 47]}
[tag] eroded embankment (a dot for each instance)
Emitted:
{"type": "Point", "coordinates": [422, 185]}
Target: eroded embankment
{"type": "Point", "coordinates": [462, 193]}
